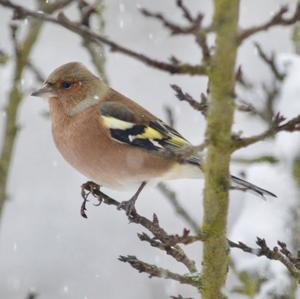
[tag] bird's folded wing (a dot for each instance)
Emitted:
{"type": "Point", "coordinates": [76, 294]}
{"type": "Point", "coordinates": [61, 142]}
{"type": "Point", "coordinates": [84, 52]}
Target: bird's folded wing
{"type": "Point", "coordinates": [139, 130]}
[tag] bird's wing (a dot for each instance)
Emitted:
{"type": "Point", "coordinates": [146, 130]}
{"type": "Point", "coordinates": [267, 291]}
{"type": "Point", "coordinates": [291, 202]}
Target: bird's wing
{"type": "Point", "coordinates": [143, 131]}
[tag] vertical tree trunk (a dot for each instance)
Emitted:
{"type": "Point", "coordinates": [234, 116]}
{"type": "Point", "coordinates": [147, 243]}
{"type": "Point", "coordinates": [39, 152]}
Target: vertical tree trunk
{"type": "Point", "coordinates": [295, 213]}
{"type": "Point", "coordinates": [15, 97]}
{"type": "Point", "coordinates": [21, 57]}
{"type": "Point", "coordinates": [218, 133]}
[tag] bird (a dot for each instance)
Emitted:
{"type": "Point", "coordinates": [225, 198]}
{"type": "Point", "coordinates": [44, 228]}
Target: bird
{"type": "Point", "coordinates": [114, 141]}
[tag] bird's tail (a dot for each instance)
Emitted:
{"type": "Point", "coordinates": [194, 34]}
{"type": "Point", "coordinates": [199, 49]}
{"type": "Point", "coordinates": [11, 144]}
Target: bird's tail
{"type": "Point", "coordinates": [237, 183]}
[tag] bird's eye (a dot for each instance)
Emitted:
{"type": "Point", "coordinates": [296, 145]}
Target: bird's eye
{"type": "Point", "coordinates": [66, 84]}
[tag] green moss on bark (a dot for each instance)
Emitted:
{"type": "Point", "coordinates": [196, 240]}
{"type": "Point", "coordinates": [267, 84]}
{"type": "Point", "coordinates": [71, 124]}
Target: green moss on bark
{"type": "Point", "coordinates": [218, 132]}
{"type": "Point", "coordinates": [21, 58]}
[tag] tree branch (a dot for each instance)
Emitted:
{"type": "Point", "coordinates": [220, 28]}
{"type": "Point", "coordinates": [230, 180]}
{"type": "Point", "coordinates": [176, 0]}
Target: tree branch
{"type": "Point", "coordinates": [270, 61]}
{"type": "Point", "coordinates": [155, 271]}
{"type": "Point", "coordinates": [278, 19]}
{"type": "Point", "coordinates": [37, 73]}
{"type": "Point", "coordinates": [193, 28]}
{"type": "Point", "coordinates": [281, 254]}
{"type": "Point", "coordinates": [96, 51]}
{"type": "Point", "coordinates": [186, 12]}
{"type": "Point", "coordinates": [176, 252]}
{"type": "Point", "coordinates": [62, 20]}
{"type": "Point", "coordinates": [162, 240]}
{"type": "Point", "coordinates": [259, 159]}
{"type": "Point", "coordinates": [179, 297]}
{"type": "Point", "coordinates": [174, 28]}
{"type": "Point", "coordinates": [201, 106]}
{"type": "Point", "coordinates": [277, 126]}
{"type": "Point", "coordinates": [22, 50]}
{"type": "Point", "coordinates": [179, 209]}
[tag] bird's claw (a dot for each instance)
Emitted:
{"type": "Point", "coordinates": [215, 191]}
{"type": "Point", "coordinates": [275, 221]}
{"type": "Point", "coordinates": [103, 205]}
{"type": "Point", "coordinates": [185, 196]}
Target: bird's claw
{"type": "Point", "coordinates": [87, 189]}
{"type": "Point", "coordinates": [83, 208]}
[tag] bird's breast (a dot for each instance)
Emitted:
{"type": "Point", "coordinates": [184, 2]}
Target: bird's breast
{"type": "Point", "coordinates": [86, 145]}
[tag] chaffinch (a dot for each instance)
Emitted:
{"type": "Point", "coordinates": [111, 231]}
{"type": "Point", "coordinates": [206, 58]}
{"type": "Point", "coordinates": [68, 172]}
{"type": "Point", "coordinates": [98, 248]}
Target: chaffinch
{"type": "Point", "coordinates": [111, 139]}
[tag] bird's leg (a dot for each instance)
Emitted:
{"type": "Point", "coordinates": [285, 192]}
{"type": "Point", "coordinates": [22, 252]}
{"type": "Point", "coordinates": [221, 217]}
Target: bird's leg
{"type": "Point", "coordinates": [87, 189]}
{"type": "Point", "coordinates": [129, 205]}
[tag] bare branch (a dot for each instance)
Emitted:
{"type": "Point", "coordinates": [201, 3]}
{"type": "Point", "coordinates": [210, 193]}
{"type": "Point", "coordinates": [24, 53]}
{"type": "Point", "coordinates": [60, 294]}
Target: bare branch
{"type": "Point", "coordinates": [201, 39]}
{"type": "Point", "coordinates": [96, 51]}
{"type": "Point", "coordinates": [278, 19]}
{"type": "Point", "coordinates": [170, 119]}
{"type": "Point", "coordinates": [277, 126]}
{"type": "Point", "coordinates": [260, 159]}
{"type": "Point", "coordinates": [281, 254]}
{"type": "Point", "coordinates": [179, 297]}
{"type": "Point", "coordinates": [32, 295]}
{"type": "Point", "coordinates": [22, 50]}
{"type": "Point", "coordinates": [85, 32]}
{"type": "Point", "coordinates": [155, 271]}
{"type": "Point", "coordinates": [270, 61]}
{"type": "Point", "coordinates": [194, 28]}
{"type": "Point", "coordinates": [57, 5]}
{"type": "Point", "coordinates": [179, 209]}
{"type": "Point", "coordinates": [176, 252]}
{"type": "Point", "coordinates": [186, 12]}
{"type": "Point", "coordinates": [199, 106]}
{"type": "Point", "coordinates": [245, 106]}
{"type": "Point", "coordinates": [240, 78]}
{"type": "Point", "coordinates": [3, 57]}
{"type": "Point", "coordinates": [151, 225]}
{"type": "Point", "coordinates": [162, 240]}
{"type": "Point", "coordinates": [174, 28]}
{"type": "Point", "coordinates": [37, 73]}
{"type": "Point", "coordinates": [202, 106]}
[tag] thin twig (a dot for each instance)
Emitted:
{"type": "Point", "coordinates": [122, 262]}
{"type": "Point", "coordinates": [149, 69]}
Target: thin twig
{"type": "Point", "coordinates": [279, 125]}
{"type": "Point", "coordinates": [278, 19]}
{"type": "Point", "coordinates": [168, 243]}
{"type": "Point", "coordinates": [280, 253]}
{"type": "Point", "coordinates": [176, 252]}
{"type": "Point", "coordinates": [96, 51]}
{"type": "Point", "coordinates": [155, 271]}
{"type": "Point", "coordinates": [194, 27]}
{"type": "Point", "coordinates": [32, 295]}
{"type": "Point", "coordinates": [151, 225]}
{"type": "Point", "coordinates": [270, 61]}
{"type": "Point", "coordinates": [179, 297]}
{"type": "Point", "coordinates": [37, 73]}
{"type": "Point", "coordinates": [180, 210]}
{"type": "Point", "coordinates": [174, 28]}
{"type": "Point", "coordinates": [240, 78]}
{"type": "Point", "coordinates": [63, 21]}
{"type": "Point", "coordinates": [260, 159]}
{"type": "Point", "coordinates": [185, 11]}
{"type": "Point", "coordinates": [184, 96]}
{"type": "Point", "coordinates": [22, 50]}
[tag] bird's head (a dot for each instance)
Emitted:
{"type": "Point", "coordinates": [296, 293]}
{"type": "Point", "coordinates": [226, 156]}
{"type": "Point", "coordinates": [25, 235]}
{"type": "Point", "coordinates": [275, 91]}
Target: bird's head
{"type": "Point", "coordinates": [70, 85]}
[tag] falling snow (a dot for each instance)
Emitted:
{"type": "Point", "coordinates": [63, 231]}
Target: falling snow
{"type": "Point", "coordinates": [51, 248]}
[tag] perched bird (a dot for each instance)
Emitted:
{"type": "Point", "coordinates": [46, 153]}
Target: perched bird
{"type": "Point", "coordinates": [114, 141]}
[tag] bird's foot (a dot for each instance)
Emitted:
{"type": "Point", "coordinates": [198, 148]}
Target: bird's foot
{"type": "Point", "coordinates": [128, 206]}
{"type": "Point", "coordinates": [87, 189]}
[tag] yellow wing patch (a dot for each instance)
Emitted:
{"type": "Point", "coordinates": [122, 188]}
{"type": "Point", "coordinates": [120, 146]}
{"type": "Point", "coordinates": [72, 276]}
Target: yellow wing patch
{"type": "Point", "coordinates": [150, 133]}
{"type": "Point", "coordinates": [114, 123]}
{"type": "Point", "coordinates": [176, 140]}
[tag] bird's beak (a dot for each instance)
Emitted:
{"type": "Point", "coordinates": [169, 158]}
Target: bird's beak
{"type": "Point", "coordinates": [46, 91]}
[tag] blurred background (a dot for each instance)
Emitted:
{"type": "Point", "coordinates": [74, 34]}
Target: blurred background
{"type": "Point", "coordinates": [48, 249]}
